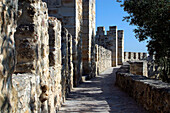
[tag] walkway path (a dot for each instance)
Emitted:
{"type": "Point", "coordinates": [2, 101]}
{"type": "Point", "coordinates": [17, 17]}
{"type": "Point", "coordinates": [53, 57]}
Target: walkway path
{"type": "Point", "coordinates": [99, 95]}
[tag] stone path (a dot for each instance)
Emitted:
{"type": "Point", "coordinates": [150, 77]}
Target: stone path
{"type": "Point", "coordinates": [100, 95]}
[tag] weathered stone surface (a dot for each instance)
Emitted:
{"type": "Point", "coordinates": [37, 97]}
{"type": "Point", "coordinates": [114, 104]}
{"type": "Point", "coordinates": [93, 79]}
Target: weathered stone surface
{"type": "Point", "coordinates": [32, 46]}
{"type": "Point", "coordinates": [55, 60]}
{"type": "Point", "coordinates": [70, 62]}
{"type": "Point", "coordinates": [154, 95]}
{"type": "Point", "coordinates": [139, 68]}
{"type": "Point", "coordinates": [105, 59]}
{"type": "Point", "coordinates": [71, 16]}
{"type": "Point", "coordinates": [8, 12]}
{"type": "Point", "coordinates": [64, 70]}
{"type": "Point", "coordinates": [28, 90]}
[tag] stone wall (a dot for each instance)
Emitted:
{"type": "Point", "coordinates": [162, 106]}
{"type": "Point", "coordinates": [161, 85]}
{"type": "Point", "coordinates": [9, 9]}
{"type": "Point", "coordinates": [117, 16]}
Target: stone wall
{"type": "Point", "coordinates": [8, 12]}
{"type": "Point", "coordinates": [78, 16]}
{"type": "Point", "coordinates": [153, 95]}
{"type": "Point", "coordinates": [88, 38]}
{"type": "Point", "coordinates": [36, 66]}
{"type": "Point", "coordinates": [32, 50]}
{"type": "Point", "coordinates": [132, 56]}
{"type": "Point", "coordinates": [104, 59]}
{"type": "Point", "coordinates": [139, 68]}
{"type": "Point", "coordinates": [113, 41]}
{"type": "Point", "coordinates": [55, 65]}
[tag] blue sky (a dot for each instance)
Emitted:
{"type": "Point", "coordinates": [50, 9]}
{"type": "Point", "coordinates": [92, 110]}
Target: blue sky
{"type": "Point", "coordinates": [109, 13]}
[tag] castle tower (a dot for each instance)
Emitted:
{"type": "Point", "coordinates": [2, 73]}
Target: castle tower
{"type": "Point", "coordinates": [112, 43]}
{"type": "Point", "coordinates": [120, 47]}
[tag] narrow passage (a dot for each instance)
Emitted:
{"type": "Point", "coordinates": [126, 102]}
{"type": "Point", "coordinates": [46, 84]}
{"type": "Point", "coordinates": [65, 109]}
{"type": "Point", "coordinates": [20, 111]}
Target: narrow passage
{"type": "Point", "coordinates": [100, 95]}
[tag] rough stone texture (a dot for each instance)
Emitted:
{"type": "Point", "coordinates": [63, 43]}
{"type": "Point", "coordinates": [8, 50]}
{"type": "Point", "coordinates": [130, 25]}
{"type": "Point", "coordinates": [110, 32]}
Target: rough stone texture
{"type": "Point", "coordinates": [134, 56]}
{"type": "Point", "coordinates": [64, 70]}
{"type": "Point", "coordinates": [31, 42]}
{"type": "Point", "coordinates": [70, 61]}
{"type": "Point", "coordinates": [104, 59]}
{"type": "Point", "coordinates": [120, 47]}
{"type": "Point", "coordinates": [8, 16]}
{"type": "Point", "coordinates": [28, 89]}
{"type": "Point", "coordinates": [70, 14]}
{"type": "Point", "coordinates": [139, 68]}
{"type": "Point", "coordinates": [46, 56]}
{"type": "Point", "coordinates": [31, 39]}
{"type": "Point", "coordinates": [55, 86]}
{"type": "Point", "coordinates": [154, 95]}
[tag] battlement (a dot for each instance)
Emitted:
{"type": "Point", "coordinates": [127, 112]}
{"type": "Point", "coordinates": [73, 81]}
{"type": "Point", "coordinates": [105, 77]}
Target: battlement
{"type": "Point", "coordinates": [112, 28]}
{"type": "Point", "coordinates": [100, 30]}
{"type": "Point", "coordinates": [112, 31]}
{"type": "Point", "coordinates": [132, 56]}
{"type": "Point", "coordinates": [114, 41]}
{"type": "Point", "coordinates": [120, 34]}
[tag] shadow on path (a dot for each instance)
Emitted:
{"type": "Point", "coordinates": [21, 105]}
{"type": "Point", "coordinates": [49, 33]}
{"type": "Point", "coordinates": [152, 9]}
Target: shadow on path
{"type": "Point", "coordinates": [100, 95]}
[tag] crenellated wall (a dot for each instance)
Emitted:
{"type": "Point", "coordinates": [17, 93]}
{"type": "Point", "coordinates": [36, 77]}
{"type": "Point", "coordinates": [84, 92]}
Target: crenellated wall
{"type": "Point", "coordinates": [131, 56]}
{"type": "Point", "coordinates": [43, 57]}
{"type": "Point", "coordinates": [113, 41]}
{"type": "Point", "coordinates": [78, 16]}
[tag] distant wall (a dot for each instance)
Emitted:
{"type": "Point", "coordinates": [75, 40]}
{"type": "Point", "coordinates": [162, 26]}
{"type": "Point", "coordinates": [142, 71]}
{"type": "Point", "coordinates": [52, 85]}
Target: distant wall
{"type": "Point", "coordinates": [130, 56]}
{"type": "Point", "coordinates": [113, 41]}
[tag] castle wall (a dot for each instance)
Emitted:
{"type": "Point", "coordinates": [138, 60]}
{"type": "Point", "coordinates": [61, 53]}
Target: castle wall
{"type": "Point", "coordinates": [42, 77]}
{"type": "Point", "coordinates": [55, 65]}
{"type": "Point", "coordinates": [32, 50]}
{"type": "Point", "coordinates": [105, 59]}
{"type": "Point", "coordinates": [113, 41]}
{"type": "Point", "coordinates": [8, 95]}
{"type": "Point", "coordinates": [133, 56]}
{"type": "Point", "coordinates": [70, 14]}
{"type": "Point", "coordinates": [42, 57]}
{"type": "Point", "coordinates": [120, 47]}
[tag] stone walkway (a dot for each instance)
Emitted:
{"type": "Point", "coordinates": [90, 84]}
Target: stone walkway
{"type": "Point", "coordinates": [100, 95]}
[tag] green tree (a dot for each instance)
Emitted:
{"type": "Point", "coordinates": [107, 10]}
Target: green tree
{"type": "Point", "coordinates": [152, 20]}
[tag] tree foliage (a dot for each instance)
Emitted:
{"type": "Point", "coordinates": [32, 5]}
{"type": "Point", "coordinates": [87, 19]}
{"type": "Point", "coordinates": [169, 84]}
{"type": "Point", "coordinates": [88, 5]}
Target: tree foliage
{"type": "Point", "coordinates": [153, 21]}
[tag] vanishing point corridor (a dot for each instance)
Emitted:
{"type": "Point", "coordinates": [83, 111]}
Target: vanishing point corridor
{"type": "Point", "coordinates": [100, 95]}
